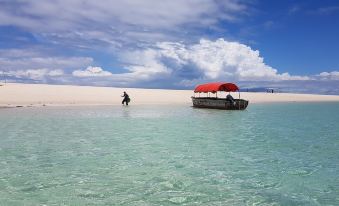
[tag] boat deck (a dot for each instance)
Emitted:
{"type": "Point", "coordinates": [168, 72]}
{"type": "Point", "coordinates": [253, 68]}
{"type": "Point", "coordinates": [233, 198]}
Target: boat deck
{"type": "Point", "coordinates": [219, 103]}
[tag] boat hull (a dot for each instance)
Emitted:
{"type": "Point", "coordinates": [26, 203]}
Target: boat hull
{"type": "Point", "coordinates": [219, 103]}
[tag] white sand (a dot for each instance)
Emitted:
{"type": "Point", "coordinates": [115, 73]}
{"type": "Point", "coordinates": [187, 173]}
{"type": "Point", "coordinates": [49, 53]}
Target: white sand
{"type": "Point", "coordinates": [12, 95]}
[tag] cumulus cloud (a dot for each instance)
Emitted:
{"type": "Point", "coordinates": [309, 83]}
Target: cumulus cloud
{"type": "Point", "coordinates": [173, 64]}
{"type": "Point", "coordinates": [206, 60]}
{"type": "Point", "coordinates": [334, 75]}
{"type": "Point", "coordinates": [92, 72]}
{"type": "Point", "coordinates": [167, 65]}
{"type": "Point", "coordinates": [152, 31]}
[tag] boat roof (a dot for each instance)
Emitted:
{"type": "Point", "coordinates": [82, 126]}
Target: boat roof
{"type": "Point", "coordinates": [215, 87]}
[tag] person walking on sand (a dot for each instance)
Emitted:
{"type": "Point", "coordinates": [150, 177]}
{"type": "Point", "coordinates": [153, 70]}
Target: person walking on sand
{"type": "Point", "coordinates": [126, 99]}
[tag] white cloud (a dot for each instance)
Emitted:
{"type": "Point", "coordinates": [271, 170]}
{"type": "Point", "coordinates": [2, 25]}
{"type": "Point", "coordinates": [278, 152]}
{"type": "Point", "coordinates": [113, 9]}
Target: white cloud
{"type": "Point", "coordinates": [56, 73]}
{"type": "Point", "coordinates": [207, 60]}
{"type": "Point", "coordinates": [33, 74]}
{"type": "Point", "coordinates": [144, 64]}
{"type": "Point", "coordinates": [116, 22]}
{"type": "Point", "coordinates": [166, 64]}
{"type": "Point", "coordinates": [66, 14]}
{"type": "Point", "coordinates": [334, 75]}
{"type": "Point", "coordinates": [19, 53]}
{"type": "Point", "coordinates": [23, 59]}
{"type": "Point", "coordinates": [91, 72]}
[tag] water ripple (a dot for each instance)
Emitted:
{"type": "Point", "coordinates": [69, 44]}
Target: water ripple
{"type": "Point", "coordinates": [272, 154]}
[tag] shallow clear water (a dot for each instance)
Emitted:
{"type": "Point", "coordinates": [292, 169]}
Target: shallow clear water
{"type": "Point", "coordinates": [270, 154]}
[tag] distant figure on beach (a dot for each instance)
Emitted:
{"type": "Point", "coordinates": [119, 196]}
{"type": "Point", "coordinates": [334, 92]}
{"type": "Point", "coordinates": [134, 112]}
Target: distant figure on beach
{"type": "Point", "coordinates": [230, 98]}
{"type": "Point", "coordinates": [126, 99]}
{"type": "Point", "coordinates": [270, 91]}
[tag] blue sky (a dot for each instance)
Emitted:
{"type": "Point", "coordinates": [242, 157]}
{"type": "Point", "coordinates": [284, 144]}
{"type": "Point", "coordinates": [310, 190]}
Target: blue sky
{"type": "Point", "coordinates": [290, 45]}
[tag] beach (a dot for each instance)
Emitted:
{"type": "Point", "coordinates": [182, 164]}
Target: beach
{"type": "Point", "coordinates": [16, 94]}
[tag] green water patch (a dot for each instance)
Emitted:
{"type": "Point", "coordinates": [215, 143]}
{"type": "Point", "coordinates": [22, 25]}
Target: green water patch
{"type": "Point", "coordinates": [269, 154]}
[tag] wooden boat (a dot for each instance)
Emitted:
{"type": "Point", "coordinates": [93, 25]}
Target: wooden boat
{"type": "Point", "coordinates": [215, 102]}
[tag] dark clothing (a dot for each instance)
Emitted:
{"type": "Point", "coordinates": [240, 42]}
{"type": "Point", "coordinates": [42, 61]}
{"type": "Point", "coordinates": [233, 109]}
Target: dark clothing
{"type": "Point", "coordinates": [126, 99]}
{"type": "Point", "coordinates": [230, 98]}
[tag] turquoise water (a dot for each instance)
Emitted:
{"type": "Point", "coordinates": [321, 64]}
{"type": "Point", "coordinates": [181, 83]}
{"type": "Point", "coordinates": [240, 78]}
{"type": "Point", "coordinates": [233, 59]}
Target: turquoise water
{"type": "Point", "coordinates": [270, 154]}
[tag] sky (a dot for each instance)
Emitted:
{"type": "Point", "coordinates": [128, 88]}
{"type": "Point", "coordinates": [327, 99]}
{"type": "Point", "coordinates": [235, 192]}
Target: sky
{"type": "Point", "coordinates": [289, 45]}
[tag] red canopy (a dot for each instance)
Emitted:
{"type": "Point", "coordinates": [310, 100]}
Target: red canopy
{"type": "Point", "coordinates": [216, 86]}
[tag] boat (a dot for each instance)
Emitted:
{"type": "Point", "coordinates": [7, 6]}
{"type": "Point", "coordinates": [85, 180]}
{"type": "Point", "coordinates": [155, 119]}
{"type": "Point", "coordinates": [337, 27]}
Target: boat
{"type": "Point", "coordinates": [215, 102]}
